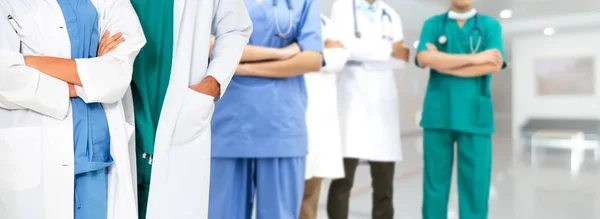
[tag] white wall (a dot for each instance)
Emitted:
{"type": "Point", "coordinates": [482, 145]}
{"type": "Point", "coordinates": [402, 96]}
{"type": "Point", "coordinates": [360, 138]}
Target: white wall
{"type": "Point", "coordinates": [412, 83]}
{"type": "Point", "coordinates": [502, 93]}
{"type": "Point", "coordinates": [526, 103]}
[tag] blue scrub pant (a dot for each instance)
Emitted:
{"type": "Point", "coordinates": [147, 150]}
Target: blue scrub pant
{"type": "Point", "coordinates": [92, 158]}
{"type": "Point", "coordinates": [474, 173]}
{"type": "Point", "coordinates": [91, 194]}
{"type": "Point", "coordinates": [278, 184]}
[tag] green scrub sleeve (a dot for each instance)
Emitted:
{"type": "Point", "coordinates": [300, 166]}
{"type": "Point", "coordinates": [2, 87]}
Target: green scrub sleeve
{"type": "Point", "coordinates": [428, 35]}
{"type": "Point", "coordinates": [494, 39]}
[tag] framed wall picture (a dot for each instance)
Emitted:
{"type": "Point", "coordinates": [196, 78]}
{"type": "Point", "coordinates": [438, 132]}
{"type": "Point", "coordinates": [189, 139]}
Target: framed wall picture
{"type": "Point", "coordinates": [565, 76]}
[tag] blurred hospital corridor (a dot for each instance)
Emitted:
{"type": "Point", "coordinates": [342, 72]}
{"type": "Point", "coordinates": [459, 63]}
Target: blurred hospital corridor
{"type": "Point", "coordinates": [546, 148]}
{"type": "Point", "coordinates": [519, 189]}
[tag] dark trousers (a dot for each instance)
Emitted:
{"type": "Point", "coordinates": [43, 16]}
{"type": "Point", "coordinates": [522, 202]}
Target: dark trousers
{"type": "Point", "coordinates": [382, 180]}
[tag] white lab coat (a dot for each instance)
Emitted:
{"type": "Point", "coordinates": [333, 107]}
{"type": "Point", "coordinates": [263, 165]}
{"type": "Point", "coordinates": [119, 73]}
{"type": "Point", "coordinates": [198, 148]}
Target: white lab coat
{"type": "Point", "coordinates": [179, 187]}
{"type": "Point", "coordinates": [36, 127]}
{"type": "Point", "coordinates": [324, 158]}
{"type": "Point", "coordinates": [368, 95]}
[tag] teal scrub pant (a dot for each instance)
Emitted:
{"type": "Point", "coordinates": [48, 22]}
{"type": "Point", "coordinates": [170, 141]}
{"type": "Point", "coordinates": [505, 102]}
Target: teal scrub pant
{"type": "Point", "coordinates": [144, 173]}
{"type": "Point", "coordinates": [276, 183]}
{"type": "Point", "coordinates": [474, 170]}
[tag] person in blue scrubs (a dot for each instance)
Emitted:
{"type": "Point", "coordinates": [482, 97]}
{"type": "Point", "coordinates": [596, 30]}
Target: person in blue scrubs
{"type": "Point", "coordinates": [259, 134]}
{"type": "Point", "coordinates": [90, 125]}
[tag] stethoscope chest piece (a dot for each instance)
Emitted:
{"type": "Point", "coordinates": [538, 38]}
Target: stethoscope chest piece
{"type": "Point", "coordinates": [443, 39]}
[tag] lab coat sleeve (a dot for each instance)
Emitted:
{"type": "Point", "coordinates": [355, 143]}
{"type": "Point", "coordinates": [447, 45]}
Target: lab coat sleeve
{"type": "Point", "coordinates": [22, 87]}
{"type": "Point", "coordinates": [494, 39]}
{"type": "Point", "coordinates": [393, 62]}
{"type": "Point", "coordinates": [336, 60]}
{"type": "Point", "coordinates": [397, 26]}
{"type": "Point", "coordinates": [398, 36]}
{"type": "Point", "coordinates": [232, 28]}
{"type": "Point", "coordinates": [360, 49]}
{"type": "Point", "coordinates": [106, 78]}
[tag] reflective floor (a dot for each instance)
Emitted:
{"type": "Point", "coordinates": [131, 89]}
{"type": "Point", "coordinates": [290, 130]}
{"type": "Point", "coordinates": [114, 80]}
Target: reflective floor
{"type": "Point", "coordinates": [520, 190]}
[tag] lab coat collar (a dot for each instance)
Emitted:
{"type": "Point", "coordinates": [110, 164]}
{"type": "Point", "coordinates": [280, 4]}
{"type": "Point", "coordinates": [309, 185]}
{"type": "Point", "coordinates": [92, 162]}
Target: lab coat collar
{"type": "Point", "coordinates": [364, 5]}
{"type": "Point", "coordinates": [462, 16]}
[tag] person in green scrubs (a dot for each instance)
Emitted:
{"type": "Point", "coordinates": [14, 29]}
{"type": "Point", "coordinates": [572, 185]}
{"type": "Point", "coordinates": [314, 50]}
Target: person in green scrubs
{"type": "Point", "coordinates": [462, 49]}
{"type": "Point", "coordinates": [151, 75]}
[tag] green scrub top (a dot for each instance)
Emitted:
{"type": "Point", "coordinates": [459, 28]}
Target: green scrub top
{"type": "Point", "coordinates": [152, 68]}
{"type": "Point", "coordinates": [456, 103]}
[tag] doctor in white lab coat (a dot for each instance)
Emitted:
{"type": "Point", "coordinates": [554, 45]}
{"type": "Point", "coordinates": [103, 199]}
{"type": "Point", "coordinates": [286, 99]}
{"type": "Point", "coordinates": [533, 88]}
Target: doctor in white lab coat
{"type": "Point", "coordinates": [324, 160]}
{"type": "Point", "coordinates": [37, 170]}
{"type": "Point", "coordinates": [368, 100]}
{"type": "Point", "coordinates": [174, 81]}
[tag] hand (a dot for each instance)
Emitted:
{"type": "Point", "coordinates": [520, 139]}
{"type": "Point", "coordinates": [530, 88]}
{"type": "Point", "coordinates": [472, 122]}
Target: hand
{"type": "Point", "coordinates": [400, 51]}
{"type": "Point", "coordinates": [210, 46]}
{"type": "Point", "coordinates": [492, 56]}
{"type": "Point", "coordinates": [431, 47]}
{"type": "Point", "coordinates": [289, 51]}
{"type": "Point", "coordinates": [333, 44]}
{"type": "Point", "coordinates": [209, 86]}
{"type": "Point", "coordinates": [109, 44]}
{"type": "Point", "coordinates": [72, 91]}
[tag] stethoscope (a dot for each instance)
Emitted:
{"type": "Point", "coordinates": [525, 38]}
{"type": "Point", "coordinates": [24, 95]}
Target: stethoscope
{"type": "Point", "coordinates": [384, 14]}
{"type": "Point", "coordinates": [443, 39]}
{"type": "Point", "coordinates": [289, 30]}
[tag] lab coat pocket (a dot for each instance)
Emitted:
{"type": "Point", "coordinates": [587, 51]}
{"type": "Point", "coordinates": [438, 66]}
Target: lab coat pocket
{"type": "Point", "coordinates": [28, 31]}
{"type": "Point", "coordinates": [482, 111]}
{"type": "Point", "coordinates": [194, 117]}
{"type": "Point", "coordinates": [21, 157]}
{"type": "Point", "coordinates": [432, 112]}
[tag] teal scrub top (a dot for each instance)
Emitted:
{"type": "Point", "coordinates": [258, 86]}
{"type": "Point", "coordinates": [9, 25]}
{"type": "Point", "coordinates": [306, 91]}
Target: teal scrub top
{"type": "Point", "coordinates": [152, 68]}
{"type": "Point", "coordinates": [456, 103]}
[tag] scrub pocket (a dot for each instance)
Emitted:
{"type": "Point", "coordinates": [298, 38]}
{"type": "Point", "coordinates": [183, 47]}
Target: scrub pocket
{"type": "Point", "coordinates": [432, 110]}
{"type": "Point", "coordinates": [481, 111]}
{"type": "Point", "coordinates": [194, 116]}
{"type": "Point", "coordinates": [21, 157]}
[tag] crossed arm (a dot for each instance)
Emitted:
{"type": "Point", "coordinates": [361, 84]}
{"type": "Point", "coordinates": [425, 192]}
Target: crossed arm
{"type": "Point", "coordinates": [461, 65]}
{"type": "Point", "coordinates": [303, 62]}
{"type": "Point", "coordinates": [286, 62]}
{"type": "Point", "coordinates": [66, 69]}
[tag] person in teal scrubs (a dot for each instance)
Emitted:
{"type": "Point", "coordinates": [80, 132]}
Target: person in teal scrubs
{"type": "Point", "coordinates": [151, 76]}
{"type": "Point", "coordinates": [259, 134]}
{"type": "Point", "coordinates": [462, 48]}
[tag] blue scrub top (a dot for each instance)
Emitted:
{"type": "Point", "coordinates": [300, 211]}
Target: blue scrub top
{"type": "Point", "coordinates": [90, 125]}
{"type": "Point", "coordinates": [265, 117]}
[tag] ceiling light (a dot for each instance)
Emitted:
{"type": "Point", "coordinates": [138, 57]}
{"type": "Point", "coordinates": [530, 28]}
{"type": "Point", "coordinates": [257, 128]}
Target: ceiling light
{"type": "Point", "coordinates": [506, 13]}
{"type": "Point", "coordinates": [549, 31]}
{"type": "Point", "coordinates": [416, 44]}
